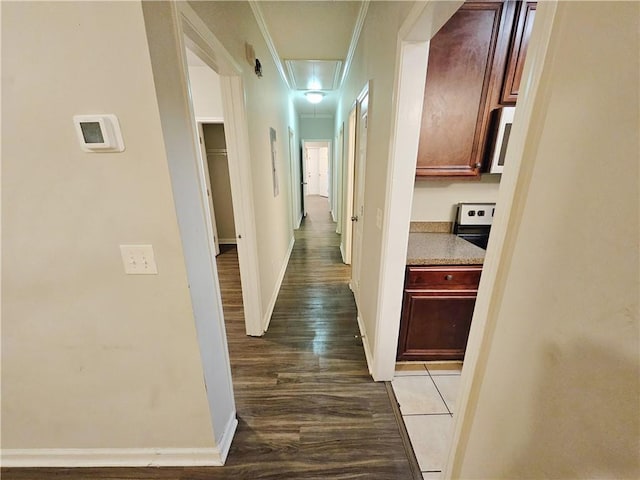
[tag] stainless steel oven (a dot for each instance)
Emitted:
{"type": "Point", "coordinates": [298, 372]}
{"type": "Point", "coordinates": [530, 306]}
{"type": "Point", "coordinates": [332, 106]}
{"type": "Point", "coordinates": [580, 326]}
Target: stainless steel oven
{"type": "Point", "coordinates": [473, 222]}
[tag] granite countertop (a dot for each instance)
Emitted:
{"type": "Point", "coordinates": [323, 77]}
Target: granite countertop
{"type": "Point", "coordinates": [442, 249]}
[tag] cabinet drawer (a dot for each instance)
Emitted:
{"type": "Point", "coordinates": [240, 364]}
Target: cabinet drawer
{"type": "Point", "coordinates": [445, 277]}
{"type": "Point", "coordinates": [435, 326]}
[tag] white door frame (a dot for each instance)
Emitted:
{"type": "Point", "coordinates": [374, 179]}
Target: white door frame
{"type": "Point", "coordinates": [329, 159]}
{"type": "Point", "coordinates": [295, 204]}
{"type": "Point", "coordinates": [339, 180]}
{"type": "Point", "coordinates": [202, 41]}
{"type": "Point", "coordinates": [358, 191]}
{"type": "Point", "coordinates": [348, 174]}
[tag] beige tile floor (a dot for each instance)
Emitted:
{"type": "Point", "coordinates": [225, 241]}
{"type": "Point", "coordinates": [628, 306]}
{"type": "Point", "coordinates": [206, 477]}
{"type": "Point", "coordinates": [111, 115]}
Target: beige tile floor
{"type": "Point", "coordinates": [427, 393]}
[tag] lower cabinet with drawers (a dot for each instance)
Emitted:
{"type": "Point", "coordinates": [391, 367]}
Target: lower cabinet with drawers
{"type": "Point", "coordinates": [436, 312]}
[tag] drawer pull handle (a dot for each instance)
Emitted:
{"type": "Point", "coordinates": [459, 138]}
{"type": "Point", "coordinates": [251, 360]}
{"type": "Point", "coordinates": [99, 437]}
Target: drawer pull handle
{"type": "Point", "coordinates": [449, 277]}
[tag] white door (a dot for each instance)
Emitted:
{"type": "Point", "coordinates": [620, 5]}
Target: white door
{"type": "Point", "coordinates": [358, 203]}
{"type": "Point", "coordinates": [348, 174]}
{"type": "Point", "coordinates": [294, 187]}
{"type": "Point", "coordinates": [313, 183]}
{"type": "Point", "coordinates": [206, 187]}
{"type": "Point", "coordinates": [338, 180]}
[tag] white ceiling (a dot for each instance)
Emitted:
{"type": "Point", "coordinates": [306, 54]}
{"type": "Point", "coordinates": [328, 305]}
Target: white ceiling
{"type": "Point", "coordinates": [308, 31]}
{"type": "Point", "coordinates": [312, 42]}
{"type": "Point", "coordinates": [314, 74]}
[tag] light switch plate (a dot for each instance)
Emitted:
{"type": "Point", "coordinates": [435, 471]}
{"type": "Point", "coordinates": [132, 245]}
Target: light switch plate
{"type": "Point", "coordinates": [379, 219]}
{"type": "Point", "coordinates": [138, 259]}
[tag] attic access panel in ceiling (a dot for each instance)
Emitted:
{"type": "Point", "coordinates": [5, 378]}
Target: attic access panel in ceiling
{"type": "Point", "coordinates": [314, 74]}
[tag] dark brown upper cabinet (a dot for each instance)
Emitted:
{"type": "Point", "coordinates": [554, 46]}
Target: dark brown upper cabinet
{"type": "Point", "coordinates": [464, 80]}
{"type": "Point", "coordinates": [518, 52]}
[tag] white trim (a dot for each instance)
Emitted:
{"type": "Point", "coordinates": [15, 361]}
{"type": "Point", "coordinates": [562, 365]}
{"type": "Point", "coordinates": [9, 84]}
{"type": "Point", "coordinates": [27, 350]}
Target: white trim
{"type": "Point", "coordinates": [204, 43]}
{"type": "Point", "coordinates": [272, 303]}
{"type": "Point", "coordinates": [329, 143]}
{"type": "Point", "coordinates": [209, 119]}
{"type": "Point", "coordinates": [224, 445]}
{"type": "Point", "coordinates": [294, 182]}
{"type": "Point", "coordinates": [359, 188]}
{"type": "Point", "coordinates": [348, 175]}
{"type": "Point", "coordinates": [403, 151]}
{"type": "Point", "coordinates": [299, 221]}
{"type": "Point", "coordinates": [344, 260]}
{"type": "Point", "coordinates": [262, 24]}
{"type": "Point", "coordinates": [111, 457]}
{"type": "Point", "coordinates": [365, 343]}
{"type": "Point", "coordinates": [238, 155]}
{"type": "Point", "coordinates": [315, 140]}
{"type": "Point", "coordinates": [355, 36]}
{"type": "Point", "coordinates": [227, 241]}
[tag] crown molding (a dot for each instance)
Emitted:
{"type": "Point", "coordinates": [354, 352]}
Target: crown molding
{"type": "Point", "coordinates": [262, 24]}
{"type": "Point", "coordinates": [357, 29]}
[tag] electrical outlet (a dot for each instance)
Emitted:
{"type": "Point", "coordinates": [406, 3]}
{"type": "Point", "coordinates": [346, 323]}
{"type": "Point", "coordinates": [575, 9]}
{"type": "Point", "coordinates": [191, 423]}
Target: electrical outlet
{"type": "Point", "coordinates": [379, 219]}
{"type": "Point", "coordinates": [138, 259]}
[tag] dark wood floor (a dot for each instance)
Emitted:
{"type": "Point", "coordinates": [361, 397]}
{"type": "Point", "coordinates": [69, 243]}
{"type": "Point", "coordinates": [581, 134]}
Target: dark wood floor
{"type": "Point", "coordinates": [307, 407]}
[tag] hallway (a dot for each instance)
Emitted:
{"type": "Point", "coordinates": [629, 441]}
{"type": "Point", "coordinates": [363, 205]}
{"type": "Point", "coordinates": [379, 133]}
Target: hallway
{"type": "Point", "coordinates": [307, 407]}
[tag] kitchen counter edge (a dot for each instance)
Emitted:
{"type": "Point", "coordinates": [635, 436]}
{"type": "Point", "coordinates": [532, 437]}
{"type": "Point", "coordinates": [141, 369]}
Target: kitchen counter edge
{"type": "Point", "coordinates": [442, 249]}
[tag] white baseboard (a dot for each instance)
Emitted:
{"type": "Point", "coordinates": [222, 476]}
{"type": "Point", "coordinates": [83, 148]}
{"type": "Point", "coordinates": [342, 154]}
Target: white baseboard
{"type": "Point", "coordinates": [272, 303]}
{"type": "Point", "coordinates": [122, 457]}
{"type": "Point", "coordinates": [111, 457]}
{"type": "Point", "coordinates": [299, 221]}
{"type": "Point", "coordinates": [342, 254]}
{"type": "Point", "coordinates": [365, 344]}
{"type": "Point", "coordinates": [228, 241]}
{"type": "Point", "coordinates": [227, 437]}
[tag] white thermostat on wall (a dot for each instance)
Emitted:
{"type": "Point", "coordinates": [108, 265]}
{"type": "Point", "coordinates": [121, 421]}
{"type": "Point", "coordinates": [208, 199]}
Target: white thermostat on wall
{"type": "Point", "coordinates": [99, 133]}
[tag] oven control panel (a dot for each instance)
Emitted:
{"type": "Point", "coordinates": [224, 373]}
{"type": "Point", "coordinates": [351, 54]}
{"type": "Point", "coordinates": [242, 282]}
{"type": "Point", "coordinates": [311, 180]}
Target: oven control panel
{"type": "Point", "coordinates": [475, 213]}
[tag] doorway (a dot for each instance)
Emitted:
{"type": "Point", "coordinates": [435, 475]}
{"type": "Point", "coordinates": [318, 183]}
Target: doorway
{"type": "Point", "coordinates": [316, 167]}
{"type": "Point", "coordinates": [348, 175]}
{"type": "Point", "coordinates": [354, 186]}
{"type": "Point", "coordinates": [217, 167]}
{"type": "Point", "coordinates": [230, 110]}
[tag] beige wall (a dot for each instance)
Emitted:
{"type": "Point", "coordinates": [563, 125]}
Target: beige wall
{"type": "Point", "coordinates": [205, 93]}
{"type": "Point", "coordinates": [91, 357]}
{"type": "Point", "coordinates": [268, 106]}
{"type": "Point", "coordinates": [317, 128]}
{"type": "Point", "coordinates": [557, 394]}
{"type": "Point", "coordinates": [374, 59]}
{"type": "Point", "coordinates": [436, 200]}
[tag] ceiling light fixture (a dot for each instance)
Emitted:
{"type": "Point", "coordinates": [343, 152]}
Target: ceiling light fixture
{"type": "Point", "coordinates": [314, 97]}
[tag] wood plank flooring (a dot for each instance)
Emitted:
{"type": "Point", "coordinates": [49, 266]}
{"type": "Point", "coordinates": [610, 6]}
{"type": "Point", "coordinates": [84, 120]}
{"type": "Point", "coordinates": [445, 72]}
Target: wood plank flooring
{"type": "Point", "coordinates": [307, 406]}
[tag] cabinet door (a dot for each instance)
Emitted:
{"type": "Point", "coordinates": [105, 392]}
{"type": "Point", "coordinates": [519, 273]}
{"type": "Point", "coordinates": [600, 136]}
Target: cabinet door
{"type": "Point", "coordinates": [464, 78]}
{"type": "Point", "coordinates": [435, 325]}
{"type": "Point", "coordinates": [518, 52]}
